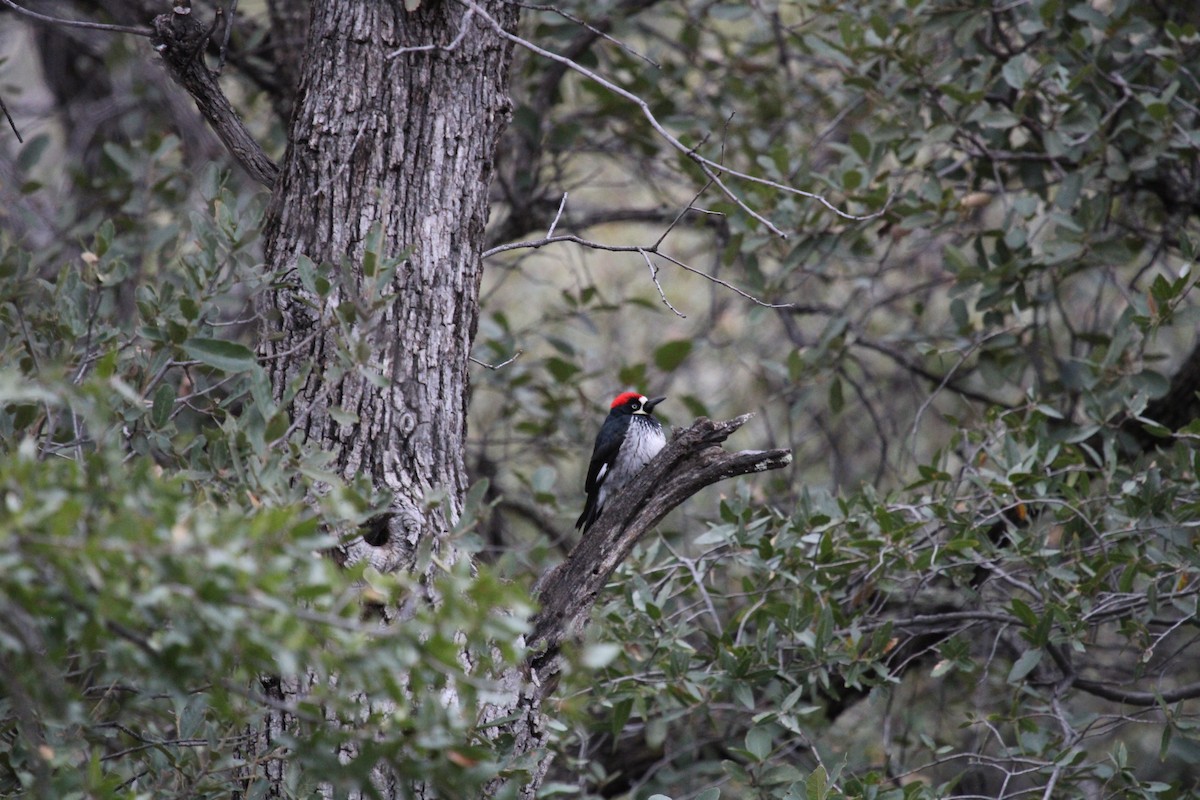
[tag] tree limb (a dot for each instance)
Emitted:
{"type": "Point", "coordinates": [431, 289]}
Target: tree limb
{"type": "Point", "coordinates": [180, 40]}
{"type": "Point", "coordinates": [692, 460]}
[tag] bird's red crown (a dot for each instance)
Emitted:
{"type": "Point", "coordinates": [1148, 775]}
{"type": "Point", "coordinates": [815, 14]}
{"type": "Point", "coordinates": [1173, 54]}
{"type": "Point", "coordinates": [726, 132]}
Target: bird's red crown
{"type": "Point", "coordinates": [623, 398]}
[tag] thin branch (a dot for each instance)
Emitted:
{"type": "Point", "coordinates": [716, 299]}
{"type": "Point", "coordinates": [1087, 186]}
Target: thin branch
{"type": "Point", "coordinates": [179, 39]}
{"type": "Point", "coordinates": [654, 277]}
{"type": "Point", "coordinates": [228, 32]}
{"type": "Point", "coordinates": [424, 48]}
{"type": "Point", "coordinates": [711, 169]}
{"type": "Point", "coordinates": [202, 43]}
{"type": "Point", "coordinates": [632, 248]}
{"type": "Point", "coordinates": [946, 381]}
{"type": "Point", "coordinates": [11, 124]}
{"type": "Point", "coordinates": [691, 206]}
{"type": "Point", "coordinates": [726, 284]}
{"type": "Point", "coordinates": [71, 23]}
{"type": "Point", "coordinates": [593, 29]}
{"type": "Point", "coordinates": [535, 244]}
{"type": "Point", "coordinates": [501, 365]}
{"type": "Point", "coordinates": [1107, 691]}
{"type": "Point", "coordinates": [561, 205]}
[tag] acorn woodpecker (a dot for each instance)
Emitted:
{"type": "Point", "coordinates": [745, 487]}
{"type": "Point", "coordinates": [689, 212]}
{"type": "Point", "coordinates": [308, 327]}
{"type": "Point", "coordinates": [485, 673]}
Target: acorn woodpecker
{"type": "Point", "coordinates": [628, 439]}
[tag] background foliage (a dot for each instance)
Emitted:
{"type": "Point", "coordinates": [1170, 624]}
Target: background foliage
{"type": "Point", "coordinates": [979, 578]}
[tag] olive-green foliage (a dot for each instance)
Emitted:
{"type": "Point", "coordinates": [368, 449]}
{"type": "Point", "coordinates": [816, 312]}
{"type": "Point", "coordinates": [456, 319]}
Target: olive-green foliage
{"type": "Point", "coordinates": [972, 550]}
{"type": "Point", "coordinates": [975, 580]}
{"type": "Point", "coordinates": [160, 568]}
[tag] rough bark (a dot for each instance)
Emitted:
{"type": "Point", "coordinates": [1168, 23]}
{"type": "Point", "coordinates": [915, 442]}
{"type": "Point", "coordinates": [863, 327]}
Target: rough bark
{"type": "Point", "coordinates": [404, 142]}
{"type": "Point", "coordinates": [289, 30]}
{"type": "Point", "coordinates": [401, 141]}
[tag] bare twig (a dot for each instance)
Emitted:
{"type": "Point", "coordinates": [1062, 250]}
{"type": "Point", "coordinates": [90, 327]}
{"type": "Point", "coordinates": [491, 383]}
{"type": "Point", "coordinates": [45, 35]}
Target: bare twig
{"type": "Point", "coordinates": [454, 43]}
{"type": "Point", "coordinates": [11, 124]}
{"type": "Point", "coordinates": [561, 205]}
{"type": "Point", "coordinates": [179, 38]}
{"type": "Point", "coordinates": [501, 365]}
{"type": "Point", "coordinates": [711, 169]}
{"type": "Point", "coordinates": [535, 244]}
{"type": "Point", "coordinates": [632, 248]}
{"type": "Point", "coordinates": [71, 23]}
{"type": "Point", "coordinates": [654, 277]}
{"type": "Point", "coordinates": [228, 32]}
{"type": "Point", "coordinates": [691, 206]}
{"type": "Point", "coordinates": [1116, 694]}
{"type": "Point", "coordinates": [585, 24]}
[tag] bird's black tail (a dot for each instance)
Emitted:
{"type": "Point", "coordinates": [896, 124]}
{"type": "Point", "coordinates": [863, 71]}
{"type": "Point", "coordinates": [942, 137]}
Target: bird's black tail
{"type": "Point", "coordinates": [590, 512]}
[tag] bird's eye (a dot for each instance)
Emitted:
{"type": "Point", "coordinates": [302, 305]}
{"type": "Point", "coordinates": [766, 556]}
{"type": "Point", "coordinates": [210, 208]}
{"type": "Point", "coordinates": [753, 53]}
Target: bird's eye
{"type": "Point", "coordinates": [636, 405]}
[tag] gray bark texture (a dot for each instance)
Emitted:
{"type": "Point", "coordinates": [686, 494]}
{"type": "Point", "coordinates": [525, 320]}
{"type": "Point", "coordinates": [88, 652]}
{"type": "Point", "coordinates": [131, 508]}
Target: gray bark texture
{"type": "Point", "coordinates": [394, 129]}
{"type": "Point", "coordinates": [403, 141]}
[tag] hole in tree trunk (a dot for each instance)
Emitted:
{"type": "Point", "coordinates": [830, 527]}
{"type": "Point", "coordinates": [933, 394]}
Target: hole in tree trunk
{"type": "Point", "coordinates": [375, 530]}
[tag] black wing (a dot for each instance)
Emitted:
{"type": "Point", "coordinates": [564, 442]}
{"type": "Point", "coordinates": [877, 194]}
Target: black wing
{"type": "Point", "coordinates": [602, 458]}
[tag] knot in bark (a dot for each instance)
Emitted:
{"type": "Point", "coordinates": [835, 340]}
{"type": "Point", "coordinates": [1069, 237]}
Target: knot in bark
{"type": "Point", "coordinates": [179, 38]}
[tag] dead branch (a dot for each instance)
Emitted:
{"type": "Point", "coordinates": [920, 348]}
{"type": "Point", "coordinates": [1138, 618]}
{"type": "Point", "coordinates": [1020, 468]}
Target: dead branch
{"type": "Point", "coordinates": [692, 460]}
{"type": "Point", "coordinates": [180, 40]}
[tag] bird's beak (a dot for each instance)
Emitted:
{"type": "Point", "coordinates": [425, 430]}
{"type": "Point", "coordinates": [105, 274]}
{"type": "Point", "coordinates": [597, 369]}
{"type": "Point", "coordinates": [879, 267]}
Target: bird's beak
{"type": "Point", "coordinates": [650, 404]}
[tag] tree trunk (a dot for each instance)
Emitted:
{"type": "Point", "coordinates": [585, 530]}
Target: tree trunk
{"type": "Point", "coordinates": [401, 143]}
{"type": "Point", "coordinates": [404, 143]}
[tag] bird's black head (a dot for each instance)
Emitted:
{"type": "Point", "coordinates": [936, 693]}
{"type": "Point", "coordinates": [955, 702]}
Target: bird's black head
{"type": "Point", "coordinates": [634, 403]}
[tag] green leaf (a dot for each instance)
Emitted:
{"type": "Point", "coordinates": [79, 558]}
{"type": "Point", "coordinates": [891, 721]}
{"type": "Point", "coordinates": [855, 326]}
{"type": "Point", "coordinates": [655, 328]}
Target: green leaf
{"type": "Point", "coordinates": [31, 152]}
{"type": "Point", "coordinates": [561, 369]}
{"type": "Point", "coordinates": [1023, 612]}
{"type": "Point", "coordinates": [1014, 72]}
{"type": "Point", "coordinates": [372, 250]}
{"type": "Point", "coordinates": [633, 375]}
{"type": "Point", "coordinates": [277, 426]}
{"type": "Point", "coordinates": [224, 355]}
{"type": "Point", "coordinates": [620, 715]}
{"type": "Point", "coordinates": [760, 742]}
{"type": "Point", "coordinates": [188, 308]}
{"type": "Point", "coordinates": [941, 668]}
{"type": "Point", "coordinates": [816, 787]}
{"type": "Point", "coordinates": [670, 355]}
{"type": "Point", "coordinates": [1025, 665]}
{"type": "Point", "coordinates": [836, 400]}
{"type": "Point", "coordinates": [744, 695]}
{"type": "Point", "coordinates": [164, 401]}
{"type": "Point", "coordinates": [312, 277]}
{"type": "Point", "coordinates": [598, 655]}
